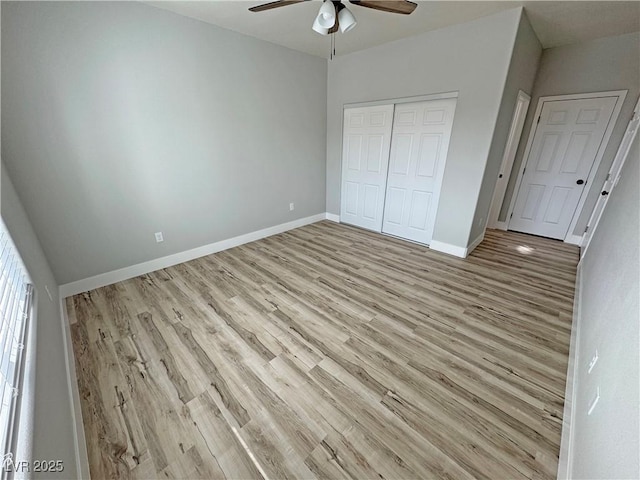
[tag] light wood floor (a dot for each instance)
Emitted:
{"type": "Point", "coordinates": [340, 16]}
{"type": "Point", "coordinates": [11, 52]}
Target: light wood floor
{"type": "Point", "coordinates": [330, 352]}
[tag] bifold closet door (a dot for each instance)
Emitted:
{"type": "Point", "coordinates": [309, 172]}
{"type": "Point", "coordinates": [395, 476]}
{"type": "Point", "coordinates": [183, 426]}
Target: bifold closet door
{"type": "Point", "coordinates": [365, 158]}
{"type": "Point", "coordinates": [419, 146]}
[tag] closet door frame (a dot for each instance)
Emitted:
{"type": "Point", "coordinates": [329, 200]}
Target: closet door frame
{"type": "Point", "coordinates": [390, 101]}
{"type": "Point", "coordinates": [398, 101]}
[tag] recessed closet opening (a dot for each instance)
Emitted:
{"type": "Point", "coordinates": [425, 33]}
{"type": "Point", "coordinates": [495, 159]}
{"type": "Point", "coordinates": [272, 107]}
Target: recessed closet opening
{"type": "Point", "coordinates": [393, 160]}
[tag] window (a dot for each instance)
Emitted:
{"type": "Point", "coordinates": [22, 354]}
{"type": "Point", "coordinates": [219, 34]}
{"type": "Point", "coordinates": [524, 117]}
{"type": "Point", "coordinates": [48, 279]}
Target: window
{"type": "Point", "coordinates": [15, 307]}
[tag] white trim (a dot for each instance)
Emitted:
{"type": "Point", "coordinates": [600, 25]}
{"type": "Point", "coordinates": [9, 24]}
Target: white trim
{"type": "Point", "coordinates": [501, 225]}
{"type": "Point", "coordinates": [448, 248]}
{"type": "Point", "coordinates": [108, 278]}
{"type": "Point", "coordinates": [397, 101]}
{"type": "Point", "coordinates": [574, 239]}
{"type": "Point", "coordinates": [612, 178]}
{"type": "Point", "coordinates": [472, 246]}
{"type": "Point", "coordinates": [566, 439]}
{"type": "Point", "coordinates": [80, 444]}
{"type": "Point", "coordinates": [456, 251]}
{"type": "Point", "coordinates": [510, 149]}
{"type": "Point", "coordinates": [333, 217]}
{"type": "Point", "coordinates": [596, 164]}
{"type": "Point", "coordinates": [621, 94]}
{"type": "Point", "coordinates": [23, 447]}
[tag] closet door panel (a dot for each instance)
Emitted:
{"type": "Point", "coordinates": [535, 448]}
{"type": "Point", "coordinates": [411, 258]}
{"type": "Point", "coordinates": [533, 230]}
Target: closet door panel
{"type": "Point", "coordinates": [418, 153]}
{"type": "Point", "coordinates": [365, 161]}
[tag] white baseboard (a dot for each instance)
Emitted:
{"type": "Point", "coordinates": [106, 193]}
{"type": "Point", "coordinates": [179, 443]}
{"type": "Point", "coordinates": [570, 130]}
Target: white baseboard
{"type": "Point", "coordinates": [472, 246]}
{"type": "Point", "coordinates": [574, 239]}
{"type": "Point", "coordinates": [333, 217]}
{"type": "Point", "coordinates": [501, 226]}
{"type": "Point", "coordinates": [115, 276]}
{"type": "Point", "coordinates": [448, 248]}
{"type": "Point", "coordinates": [455, 250]}
{"type": "Point", "coordinates": [566, 440]}
{"type": "Point", "coordinates": [80, 444]}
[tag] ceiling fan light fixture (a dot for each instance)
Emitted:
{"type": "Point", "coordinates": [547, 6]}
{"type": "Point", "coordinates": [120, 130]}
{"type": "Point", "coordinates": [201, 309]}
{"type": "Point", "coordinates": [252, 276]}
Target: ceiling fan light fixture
{"type": "Point", "coordinates": [327, 15]}
{"type": "Point", "coordinates": [346, 20]}
{"type": "Point", "coordinates": [316, 27]}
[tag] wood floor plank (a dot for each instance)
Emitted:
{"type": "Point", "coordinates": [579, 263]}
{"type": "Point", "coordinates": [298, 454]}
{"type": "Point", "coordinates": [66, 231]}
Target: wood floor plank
{"type": "Point", "coordinates": [330, 352]}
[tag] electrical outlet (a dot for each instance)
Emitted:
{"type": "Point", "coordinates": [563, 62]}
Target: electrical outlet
{"type": "Point", "coordinates": [159, 237]}
{"type": "Point", "coordinates": [292, 207]}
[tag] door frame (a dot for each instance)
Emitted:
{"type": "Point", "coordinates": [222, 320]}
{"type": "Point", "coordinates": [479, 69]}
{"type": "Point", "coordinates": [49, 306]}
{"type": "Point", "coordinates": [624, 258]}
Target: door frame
{"type": "Point", "coordinates": [374, 103]}
{"type": "Point", "coordinates": [612, 178]}
{"type": "Point", "coordinates": [621, 95]}
{"type": "Point", "coordinates": [511, 147]}
{"type": "Point", "coordinates": [400, 100]}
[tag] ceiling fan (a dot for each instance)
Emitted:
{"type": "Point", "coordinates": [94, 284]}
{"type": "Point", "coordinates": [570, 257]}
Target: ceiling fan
{"type": "Point", "coordinates": [334, 15]}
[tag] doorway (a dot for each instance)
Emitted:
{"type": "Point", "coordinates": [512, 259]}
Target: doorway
{"type": "Point", "coordinates": [612, 177]}
{"type": "Point", "coordinates": [564, 150]}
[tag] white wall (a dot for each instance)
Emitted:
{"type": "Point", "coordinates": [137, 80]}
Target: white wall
{"type": "Point", "coordinates": [611, 63]}
{"type": "Point", "coordinates": [606, 444]}
{"type": "Point", "coordinates": [120, 119]}
{"type": "Point", "coordinates": [52, 437]}
{"type": "Point", "coordinates": [522, 73]}
{"type": "Point", "coordinates": [471, 58]}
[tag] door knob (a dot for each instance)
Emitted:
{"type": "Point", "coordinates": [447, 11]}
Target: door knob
{"type": "Point", "coordinates": [604, 193]}
{"type": "Point", "coordinates": [580, 182]}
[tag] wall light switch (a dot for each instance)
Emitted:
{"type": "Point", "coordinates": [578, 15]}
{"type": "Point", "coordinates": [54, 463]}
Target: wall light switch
{"type": "Point", "coordinates": [593, 361]}
{"type": "Point", "coordinates": [159, 237]}
{"type": "Point", "coordinates": [594, 402]}
{"type": "Point", "coordinates": [292, 206]}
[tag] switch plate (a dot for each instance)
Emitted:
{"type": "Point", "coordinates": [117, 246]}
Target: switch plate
{"type": "Point", "coordinates": [292, 207]}
{"type": "Point", "coordinates": [159, 237]}
{"type": "Point", "coordinates": [593, 361]}
{"type": "Point", "coordinates": [594, 402]}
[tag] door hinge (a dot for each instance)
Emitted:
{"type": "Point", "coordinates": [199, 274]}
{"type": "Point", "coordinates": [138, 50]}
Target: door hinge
{"type": "Point", "coordinates": [524, 170]}
{"type": "Point", "coordinates": [586, 229]}
{"type": "Point", "coordinates": [538, 120]}
{"type": "Point", "coordinates": [608, 177]}
{"type": "Point", "coordinates": [511, 216]}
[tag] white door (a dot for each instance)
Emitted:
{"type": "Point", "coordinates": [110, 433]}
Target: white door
{"type": "Point", "coordinates": [365, 158]}
{"type": "Point", "coordinates": [419, 145]}
{"type": "Point", "coordinates": [612, 178]}
{"type": "Point", "coordinates": [565, 144]}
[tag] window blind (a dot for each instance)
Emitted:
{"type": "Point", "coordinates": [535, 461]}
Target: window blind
{"type": "Point", "coordinates": [15, 306]}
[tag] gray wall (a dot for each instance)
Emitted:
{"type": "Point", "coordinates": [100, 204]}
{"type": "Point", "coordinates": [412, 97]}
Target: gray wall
{"type": "Point", "coordinates": [522, 73]}
{"type": "Point", "coordinates": [606, 444]}
{"type": "Point", "coordinates": [120, 119]}
{"type": "Point", "coordinates": [611, 63]}
{"type": "Point", "coordinates": [50, 405]}
{"type": "Point", "coordinates": [471, 58]}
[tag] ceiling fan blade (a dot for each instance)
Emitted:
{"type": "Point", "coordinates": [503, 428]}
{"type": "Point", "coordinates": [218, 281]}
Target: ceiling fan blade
{"type": "Point", "coordinates": [277, 4]}
{"type": "Point", "coordinates": [403, 7]}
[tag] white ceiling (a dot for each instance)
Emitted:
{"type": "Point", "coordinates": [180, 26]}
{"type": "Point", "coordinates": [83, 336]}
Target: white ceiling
{"type": "Point", "coordinates": [555, 23]}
